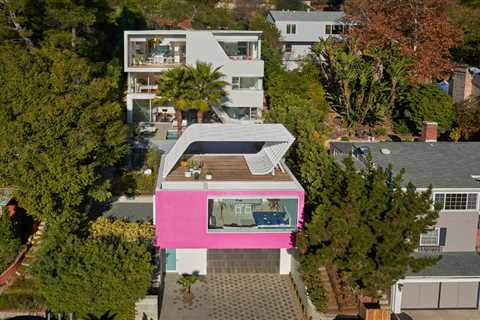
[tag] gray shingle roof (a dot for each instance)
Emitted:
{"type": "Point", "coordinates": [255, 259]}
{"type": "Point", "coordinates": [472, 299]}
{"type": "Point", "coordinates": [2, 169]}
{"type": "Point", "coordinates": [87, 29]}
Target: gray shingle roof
{"type": "Point", "coordinates": [321, 16]}
{"type": "Point", "coordinates": [453, 264]}
{"type": "Point", "coordinates": [441, 164]}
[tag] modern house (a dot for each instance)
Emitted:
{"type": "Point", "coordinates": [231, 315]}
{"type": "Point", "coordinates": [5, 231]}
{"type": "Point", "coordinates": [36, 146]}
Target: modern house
{"type": "Point", "coordinates": [226, 202]}
{"type": "Point", "coordinates": [149, 53]}
{"type": "Point", "coordinates": [300, 30]}
{"type": "Point", "coordinates": [453, 171]}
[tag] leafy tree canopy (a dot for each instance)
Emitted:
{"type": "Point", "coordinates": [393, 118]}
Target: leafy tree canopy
{"type": "Point", "coordinates": [91, 277]}
{"type": "Point", "coordinates": [422, 29]}
{"type": "Point", "coordinates": [368, 226]}
{"type": "Point", "coordinates": [60, 129]}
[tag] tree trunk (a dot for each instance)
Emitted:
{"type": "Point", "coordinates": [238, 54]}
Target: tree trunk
{"type": "Point", "coordinates": [74, 37]}
{"type": "Point", "coordinates": [16, 25]}
{"type": "Point", "coordinates": [178, 116]}
{"type": "Point", "coordinates": [199, 116]}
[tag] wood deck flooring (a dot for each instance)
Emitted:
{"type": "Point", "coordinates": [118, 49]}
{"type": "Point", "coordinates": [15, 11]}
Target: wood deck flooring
{"type": "Point", "coordinates": [225, 168]}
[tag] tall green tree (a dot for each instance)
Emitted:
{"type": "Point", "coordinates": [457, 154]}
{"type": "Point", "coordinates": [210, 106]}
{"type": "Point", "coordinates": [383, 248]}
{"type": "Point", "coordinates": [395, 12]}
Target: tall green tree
{"type": "Point", "coordinates": [60, 128]}
{"type": "Point", "coordinates": [363, 85]}
{"type": "Point", "coordinates": [466, 15]}
{"type": "Point", "coordinates": [368, 228]}
{"type": "Point", "coordinates": [208, 88]}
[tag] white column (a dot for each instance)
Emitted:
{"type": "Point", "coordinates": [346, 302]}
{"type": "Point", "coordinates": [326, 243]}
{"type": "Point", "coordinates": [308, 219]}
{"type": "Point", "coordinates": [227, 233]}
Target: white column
{"type": "Point", "coordinates": [129, 108]}
{"type": "Point", "coordinates": [396, 303]}
{"type": "Point", "coordinates": [154, 203]}
{"type": "Point", "coordinates": [285, 262]}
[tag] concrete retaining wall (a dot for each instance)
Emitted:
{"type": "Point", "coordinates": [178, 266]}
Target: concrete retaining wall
{"type": "Point", "coordinates": [147, 308]}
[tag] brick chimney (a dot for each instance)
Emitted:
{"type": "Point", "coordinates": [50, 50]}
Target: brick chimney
{"type": "Point", "coordinates": [429, 131]}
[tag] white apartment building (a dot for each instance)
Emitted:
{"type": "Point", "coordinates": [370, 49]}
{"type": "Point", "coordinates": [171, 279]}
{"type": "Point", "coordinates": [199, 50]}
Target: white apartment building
{"type": "Point", "coordinates": [300, 30]}
{"type": "Point", "coordinates": [149, 53]}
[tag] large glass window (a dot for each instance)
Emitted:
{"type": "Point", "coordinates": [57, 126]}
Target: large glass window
{"type": "Point", "coordinates": [430, 238]}
{"type": "Point", "coordinates": [333, 29]}
{"type": "Point", "coordinates": [252, 214]}
{"type": "Point", "coordinates": [240, 50]}
{"type": "Point", "coordinates": [291, 28]}
{"type": "Point", "coordinates": [456, 201]}
{"type": "Point", "coordinates": [246, 83]}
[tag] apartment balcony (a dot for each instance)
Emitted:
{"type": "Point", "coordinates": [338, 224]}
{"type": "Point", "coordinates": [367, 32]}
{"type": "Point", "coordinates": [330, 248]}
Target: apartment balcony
{"type": "Point", "coordinates": [241, 50]}
{"type": "Point", "coordinates": [155, 53]}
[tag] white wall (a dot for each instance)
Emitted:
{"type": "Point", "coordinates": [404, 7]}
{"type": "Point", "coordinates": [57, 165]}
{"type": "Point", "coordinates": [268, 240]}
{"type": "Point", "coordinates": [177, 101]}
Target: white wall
{"type": "Point", "coordinates": [192, 261]}
{"type": "Point", "coordinates": [285, 262]}
{"type": "Point", "coordinates": [245, 98]}
{"type": "Point", "coordinates": [203, 46]}
{"type": "Point", "coordinates": [306, 31]}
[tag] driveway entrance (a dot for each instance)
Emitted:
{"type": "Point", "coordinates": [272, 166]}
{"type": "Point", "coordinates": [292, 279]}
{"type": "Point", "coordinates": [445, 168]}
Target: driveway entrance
{"type": "Point", "coordinates": [232, 297]}
{"type": "Point", "coordinates": [438, 315]}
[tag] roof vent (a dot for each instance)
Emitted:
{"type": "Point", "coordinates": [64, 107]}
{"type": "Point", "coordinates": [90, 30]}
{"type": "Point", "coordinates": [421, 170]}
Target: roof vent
{"type": "Point", "coordinates": [385, 151]}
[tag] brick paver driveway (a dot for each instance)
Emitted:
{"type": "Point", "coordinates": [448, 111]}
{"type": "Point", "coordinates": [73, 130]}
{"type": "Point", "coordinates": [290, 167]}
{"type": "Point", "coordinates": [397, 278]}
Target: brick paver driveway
{"type": "Point", "coordinates": [232, 297]}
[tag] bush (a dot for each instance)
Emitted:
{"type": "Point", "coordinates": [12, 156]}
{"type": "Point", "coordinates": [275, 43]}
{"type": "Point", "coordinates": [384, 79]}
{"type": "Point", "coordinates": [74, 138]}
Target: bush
{"type": "Point", "coordinates": [427, 103]}
{"type": "Point", "coordinates": [9, 241]}
{"type": "Point", "coordinates": [315, 289]}
{"type": "Point", "coordinates": [120, 229]}
{"type": "Point", "coordinates": [93, 276]}
{"type": "Point", "coordinates": [22, 295]}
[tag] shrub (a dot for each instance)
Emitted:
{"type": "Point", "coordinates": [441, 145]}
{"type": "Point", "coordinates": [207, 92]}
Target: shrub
{"type": "Point", "coordinates": [93, 276]}
{"type": "Point", "coordinates": [22, 295]}
{"type": "Point", "coordinates": [121, 229]}
{"type": "Point", "coordinates": [9, 241]}
{"type": "Point", "coordinates": [315, 289]}
{"type": "Point", "coordinates": [426, 103]}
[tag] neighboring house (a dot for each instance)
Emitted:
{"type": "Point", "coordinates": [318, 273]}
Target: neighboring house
{"type": "Point", "coordinates": [453, 171]}
{"type": "Point", "coordinates": [300, 30]}
{"type": "Point", "coordinates": [226, 202]}
{"type": "Point", "coordinates": [151, 52]}
{"type": "Point", "coordinates": [465, 84]}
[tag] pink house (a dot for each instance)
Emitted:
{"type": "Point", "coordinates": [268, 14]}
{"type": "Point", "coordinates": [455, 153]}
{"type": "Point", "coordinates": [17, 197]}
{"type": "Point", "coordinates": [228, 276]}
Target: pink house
{"type": "Point", "coordinates": [226, 202]}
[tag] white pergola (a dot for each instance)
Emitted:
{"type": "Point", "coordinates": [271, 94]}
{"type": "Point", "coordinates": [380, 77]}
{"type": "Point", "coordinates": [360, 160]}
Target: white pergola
{"type": "Point", "coordinates": [275, 137]}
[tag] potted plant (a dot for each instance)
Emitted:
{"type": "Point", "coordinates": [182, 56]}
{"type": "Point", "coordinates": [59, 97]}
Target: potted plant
{"type": "Point", "coordinates": [188, 174]}
{"type": "Point", "coordinates": [184, 163]}
{"type": "Point", "coordinates": [209, 175]}
{"type": "Point", "coordinates": [186, 281]}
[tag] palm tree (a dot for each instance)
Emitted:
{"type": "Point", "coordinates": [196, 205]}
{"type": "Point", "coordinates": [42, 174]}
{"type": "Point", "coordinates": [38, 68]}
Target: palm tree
{"type": "Point", "coordinates": [174, 87]}
{"type": "Point", "coordinates": [208, 88]}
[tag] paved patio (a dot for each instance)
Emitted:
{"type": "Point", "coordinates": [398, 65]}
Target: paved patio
{"type": "Point", "coordinates": [439, 315]}
{"type": "Point", "coordinates": [232, 297]}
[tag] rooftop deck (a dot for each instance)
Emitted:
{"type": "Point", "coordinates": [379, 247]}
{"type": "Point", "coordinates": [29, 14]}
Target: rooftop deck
{"type": "Point", "coordinates": [224, 168]}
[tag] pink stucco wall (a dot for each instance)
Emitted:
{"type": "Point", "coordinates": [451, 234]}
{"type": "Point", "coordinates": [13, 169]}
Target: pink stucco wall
{"type": "Point", "coordinates": [181, 222]}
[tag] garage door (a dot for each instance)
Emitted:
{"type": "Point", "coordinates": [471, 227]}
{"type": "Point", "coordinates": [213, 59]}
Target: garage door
{"type": "Point", "coordinates": [458, 295]}
{"type": "Point", "coordinates": [447, 295]}
{"type": "Point", "coordinates": [420, 295]}
{"type": "Point", "coordinates": [243, 261]}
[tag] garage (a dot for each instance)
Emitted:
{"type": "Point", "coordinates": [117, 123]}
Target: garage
{"type": "Point", "coordinates": [447, 295]}
{"type": "Point", "coordinates": [453, 283]}
{"type": "Point", "coordinates": [243, 261]}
